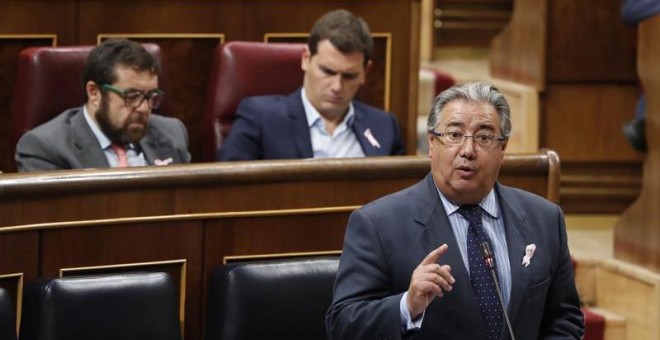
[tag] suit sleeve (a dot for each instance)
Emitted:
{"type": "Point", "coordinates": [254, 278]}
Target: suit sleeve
{"type": "Point", "coordinates": [562, 318]}
{"type": "Point", "coordinates": [244, 141]}
{"type": "Point", "coordinates": [363, 306]}
{"type": "Point", "coordinates": [36, 154]}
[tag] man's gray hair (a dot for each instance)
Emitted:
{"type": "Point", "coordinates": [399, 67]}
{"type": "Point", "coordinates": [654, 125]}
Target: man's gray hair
{"type": "Point", "coordinates": [475, 92]}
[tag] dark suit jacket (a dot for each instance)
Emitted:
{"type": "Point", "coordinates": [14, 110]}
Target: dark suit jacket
{"type": "Point", "coordinates": [67, 142]}
{"type": "Point", "coordinates": [275, 127]}
{"type": "Point", "coordinates": [387, 239]}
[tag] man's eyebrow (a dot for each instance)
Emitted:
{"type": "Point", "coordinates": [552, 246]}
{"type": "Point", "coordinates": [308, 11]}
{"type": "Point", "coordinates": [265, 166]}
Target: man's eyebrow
{"type": "Point", "coordinates": [333, 72]}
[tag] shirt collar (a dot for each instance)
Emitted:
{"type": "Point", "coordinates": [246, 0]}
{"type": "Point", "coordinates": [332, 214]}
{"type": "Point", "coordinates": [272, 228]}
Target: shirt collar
{"type": "Point", "coordinates": [488, 204]}
{"type": "Point", "coordinates": [314, 117]}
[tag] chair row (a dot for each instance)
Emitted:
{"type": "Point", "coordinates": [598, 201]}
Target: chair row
{"type": "Point", "coordinates": [286, 298]}
{"type": "Point", "coordinates": [49, 82]}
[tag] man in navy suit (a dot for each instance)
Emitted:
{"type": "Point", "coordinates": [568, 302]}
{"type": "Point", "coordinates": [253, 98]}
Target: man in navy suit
{"type": "Point", "coordinates": [321, 119]}
{"type": "Point", "coordinates": [408, 268]}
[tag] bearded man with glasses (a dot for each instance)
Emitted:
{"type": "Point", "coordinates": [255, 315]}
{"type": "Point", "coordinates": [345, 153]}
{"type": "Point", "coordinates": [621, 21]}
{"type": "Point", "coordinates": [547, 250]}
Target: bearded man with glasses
{"type": "Point", "coordinates": [115, 127]}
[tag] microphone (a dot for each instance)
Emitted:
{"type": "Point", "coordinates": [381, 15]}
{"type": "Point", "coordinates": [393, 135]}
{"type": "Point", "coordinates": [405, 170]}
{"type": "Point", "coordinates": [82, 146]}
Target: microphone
{"type": "Point", "coordinates": [489, 258]}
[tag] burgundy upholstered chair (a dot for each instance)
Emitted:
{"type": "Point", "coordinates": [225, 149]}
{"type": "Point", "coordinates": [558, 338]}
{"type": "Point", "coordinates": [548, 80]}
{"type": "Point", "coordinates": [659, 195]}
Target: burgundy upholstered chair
{"type": "Point", "coordinates": [242, 69]}
{"type": "Point", "coordinates": [49, 81]}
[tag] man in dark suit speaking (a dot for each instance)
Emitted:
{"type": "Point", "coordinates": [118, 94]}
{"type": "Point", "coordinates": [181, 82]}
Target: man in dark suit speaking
{"type": "Point", "coordinates": [321, 119]}
{"type": "Point", "coordinates": [115, 127]}
{"type": "Point", "coordinates": [413, 262]}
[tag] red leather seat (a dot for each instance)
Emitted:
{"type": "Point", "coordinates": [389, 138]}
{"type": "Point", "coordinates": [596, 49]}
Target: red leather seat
{"type": "Point", "coordinates": [242, 69]}
{"type": "Point", "coordinates": [49, 81]}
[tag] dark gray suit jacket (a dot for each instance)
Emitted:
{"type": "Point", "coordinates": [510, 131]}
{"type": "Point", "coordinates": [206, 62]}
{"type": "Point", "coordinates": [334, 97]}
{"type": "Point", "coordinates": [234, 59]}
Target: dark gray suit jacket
{"type": "Point", "coordinates": [67, 142]}
{"type": "Point", "coordinates": [275, 127]}
{"type": "Point", "coordinates": [387, 239]}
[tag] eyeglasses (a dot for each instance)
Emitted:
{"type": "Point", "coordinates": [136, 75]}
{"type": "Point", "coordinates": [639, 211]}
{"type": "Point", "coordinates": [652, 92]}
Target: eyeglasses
{"type": "Point", "coordinates": [134, 98]}
{"type": "Point", "coordinates": [458, 138]}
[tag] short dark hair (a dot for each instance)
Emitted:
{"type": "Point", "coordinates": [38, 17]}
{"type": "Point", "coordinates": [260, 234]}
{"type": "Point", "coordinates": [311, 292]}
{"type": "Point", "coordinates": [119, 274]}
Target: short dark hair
{"type": "Point", "coordinates": [346, 31]}
{"type": "Point", "coordinates": [102, 60]}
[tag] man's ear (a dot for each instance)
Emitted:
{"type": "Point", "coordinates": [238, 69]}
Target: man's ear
{"type": "Point", "coordinates": [367, 67]}
{"type": "Point", "coordinates": [429, 138]}
{"type": "Point", "coordinates": [93, 93]}
{"type": "Point", "coordinates": [304, 60]}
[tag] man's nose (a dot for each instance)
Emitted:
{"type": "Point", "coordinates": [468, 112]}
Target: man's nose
{"type": "Point", "coordinates": [468, 147]}
{"type": "Point", "coordinates": [336, 82]}
{"type": "Point", "coordinates": [144, 106]}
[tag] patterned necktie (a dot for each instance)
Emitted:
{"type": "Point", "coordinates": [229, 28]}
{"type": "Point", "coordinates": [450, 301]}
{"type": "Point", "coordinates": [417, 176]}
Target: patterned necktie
{"type": "Point", "coordinates": [482, 280]}
{"type": "Point", "coordinates": [120, 151]}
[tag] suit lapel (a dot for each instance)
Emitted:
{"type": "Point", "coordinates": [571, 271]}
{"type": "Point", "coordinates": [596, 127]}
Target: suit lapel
{"type": "Point", "coordinates": [156, 147]}
{"type": "Point", "coordinates": [517, 237]}
{"type": "Point", "coordinates": [299, 125]}
{"type": "Point", "coordinates": [86, 146]}
{"type": "Point", "coordinates": [437, 230]}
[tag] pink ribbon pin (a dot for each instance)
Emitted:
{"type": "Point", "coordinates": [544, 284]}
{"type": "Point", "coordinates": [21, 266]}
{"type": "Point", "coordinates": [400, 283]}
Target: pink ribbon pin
{"type": "Point", "coordinates": [371, 139]}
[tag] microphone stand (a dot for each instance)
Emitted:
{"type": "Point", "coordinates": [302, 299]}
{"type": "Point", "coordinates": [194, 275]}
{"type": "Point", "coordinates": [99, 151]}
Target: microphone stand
{"type": "Point", "coordinates": [489, 258]}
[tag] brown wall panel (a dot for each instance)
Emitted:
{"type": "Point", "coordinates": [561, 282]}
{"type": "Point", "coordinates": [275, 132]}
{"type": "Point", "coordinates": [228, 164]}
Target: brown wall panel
{"type": "Point", "coordinates": [578, 55]}
{"type": "Point", "coordinates": [583, 122]}
{"type": "Point", "coordinates": [19, 253]}
{"type": "Point", "coordinates": [588, 42]}
{"type": "Point", "coordinates": [298, 232]}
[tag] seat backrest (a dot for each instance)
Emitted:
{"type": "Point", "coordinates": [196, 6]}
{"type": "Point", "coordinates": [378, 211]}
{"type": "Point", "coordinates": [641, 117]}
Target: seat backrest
{"type": "Point", "coordinates": [279, 299]}
{"type": "Point", "coordinates": [49, 81]}
{"type": "Point", "coordinates": [129, 306]}
{"type": "Point", "coordinates": [7, 319]}
{"type": "Point", "coordinates": [242, 69]}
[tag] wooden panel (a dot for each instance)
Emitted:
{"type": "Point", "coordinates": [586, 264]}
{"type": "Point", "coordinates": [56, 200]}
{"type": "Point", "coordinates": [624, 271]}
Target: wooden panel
{"type": "Point", "coordinates": [637, 234]}
{"type": "Point", "coordinates": [24, 24]}
{"type": "Point", "coordinates": [518, 52]}
{"type": "Point", "coordinates": [639, 304]}
{"type": "Point", "coordinates": [589, 48]}
{"type": "Point", "coordinates": [583, 122]}
{"type": "Point", "coordinates": [295, 232]}
{"type": "Point", "coordinates": [583, 69]}
{"type": "Point", "coordinates": [19, 253]}
{"type": "Point", "coordinates": [599, 187]}
{"type": "Point", "coordinates": [61, 196]}
{"type": "Point", "coordinates": [105, 245]}
{"type": "Point", "coordinates": [471, 23]}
